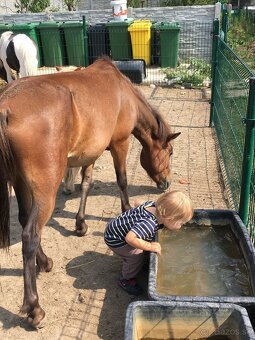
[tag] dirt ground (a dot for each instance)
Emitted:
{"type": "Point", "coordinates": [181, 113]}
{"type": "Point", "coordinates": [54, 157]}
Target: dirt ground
{"type": "Point", "coordinates": [80, 295]}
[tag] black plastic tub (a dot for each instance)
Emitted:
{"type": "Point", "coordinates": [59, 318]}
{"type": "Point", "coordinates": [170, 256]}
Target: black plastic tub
{"type": "Point", "coordinates": [134, 69]}
{"type": "Point", "coordinates": [185, 320]}
{"type": "Point", "coordinates": [238, 229]}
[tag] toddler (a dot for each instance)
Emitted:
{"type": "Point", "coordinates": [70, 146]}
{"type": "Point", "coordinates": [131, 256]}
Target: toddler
{"type": "Point", "coordinates": [132, 234]}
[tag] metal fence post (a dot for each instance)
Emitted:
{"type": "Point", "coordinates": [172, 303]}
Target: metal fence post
{"type": "Point", "coordinates": [248, 154]}
{"type": "Point", "coordinates": [85, 40]}
{"type": "Point", "coordinates": [216, 33]}
{"type": "Point", "coordinates": [224, 22]}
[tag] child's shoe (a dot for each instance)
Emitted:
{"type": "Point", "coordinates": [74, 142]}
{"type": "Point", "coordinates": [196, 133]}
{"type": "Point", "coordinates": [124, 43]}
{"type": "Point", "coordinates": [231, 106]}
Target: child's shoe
{"type": "Point", "coordinates": [130, 286]}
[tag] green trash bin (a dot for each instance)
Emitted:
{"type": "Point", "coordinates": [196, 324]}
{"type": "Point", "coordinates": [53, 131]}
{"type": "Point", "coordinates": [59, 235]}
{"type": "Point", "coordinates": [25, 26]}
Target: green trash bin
{"type": "Point", "coordinates": [155, 43]}
{"type": "Point", "coordinates": [4, 28]}
{"type": "Point", "coordinates": [30, 30]}
{"type": "Point", "coordinates": [169, 44]}
{"type": "Point", "coordinates": [74, 39]}
{"type": "Point", "coordinates": [119, 36]}
{"type": "Point", "coordinates": [52, 43]}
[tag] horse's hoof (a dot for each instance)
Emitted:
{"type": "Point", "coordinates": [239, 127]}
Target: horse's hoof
{"type": "Point", "coordinates": [125, 207]}
{"type": "Point", "coordinates": [48, 267]}
{"type": "Point", "coordinates": [37, 322]}
{"type": "Point", "coordinates": [82, 230]}
{"type": "Point", "coordinates": [36, 318]}
{"type": "Point", "coordinates": [67, 192]}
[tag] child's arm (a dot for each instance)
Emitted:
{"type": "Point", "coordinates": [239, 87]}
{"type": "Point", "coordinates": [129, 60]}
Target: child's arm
{"type": "Point", "coordinates": [138, 243]}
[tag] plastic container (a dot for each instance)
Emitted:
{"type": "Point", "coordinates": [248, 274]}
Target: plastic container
{"type": "Point", "coordinates": [74, 39]}
{"type": "Point", "coordinates": [238, 232]}
{"type": "Point", "coordinates": [140, 31]}
{"type": "Point", "coordinates": [119, 9]}
{"type": "Point", "coordinates": [98, 41]}
{"type": "Point", "coordinates": [180, 320]}
{"type": "Point", "coordinates": [52, 43]}
{"type": "Point", "coordinates": [30, 29]}
{"type": "Point", "coordinates": [169, 44]}
{"type": "Point", "coordinates": [135, 69]}
{"type": "Point", "coordinates": [119, 36]}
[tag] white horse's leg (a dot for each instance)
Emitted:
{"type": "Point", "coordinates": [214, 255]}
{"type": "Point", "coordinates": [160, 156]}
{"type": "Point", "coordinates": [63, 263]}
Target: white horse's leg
{"type": "Point", "coordinates": [69, 179]}
{"type": "Point", "coordinates": [4, 41]}
{"type": "Point", "coordinates": [8, 72]}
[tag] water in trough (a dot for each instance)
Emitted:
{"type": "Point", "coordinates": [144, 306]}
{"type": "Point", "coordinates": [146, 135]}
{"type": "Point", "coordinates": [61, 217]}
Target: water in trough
{"type": "Point", "coordinates": [202, 260]}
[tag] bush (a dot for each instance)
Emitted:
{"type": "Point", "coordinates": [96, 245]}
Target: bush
{"type": "Point", "coordinates": [196, 72]}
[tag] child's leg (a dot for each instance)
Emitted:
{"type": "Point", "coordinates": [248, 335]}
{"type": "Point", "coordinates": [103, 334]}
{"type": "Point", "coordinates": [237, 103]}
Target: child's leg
{"type": "Point", "coordinates": [132, 260]}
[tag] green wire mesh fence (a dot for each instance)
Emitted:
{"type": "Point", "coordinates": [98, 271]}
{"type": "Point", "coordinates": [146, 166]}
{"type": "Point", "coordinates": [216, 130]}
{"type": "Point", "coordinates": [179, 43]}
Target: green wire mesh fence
{"type": "Point", "coordinates": [230, 103]}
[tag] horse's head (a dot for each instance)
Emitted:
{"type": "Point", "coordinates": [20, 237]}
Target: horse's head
{"type": "Point", "coordinates": [155, 159]}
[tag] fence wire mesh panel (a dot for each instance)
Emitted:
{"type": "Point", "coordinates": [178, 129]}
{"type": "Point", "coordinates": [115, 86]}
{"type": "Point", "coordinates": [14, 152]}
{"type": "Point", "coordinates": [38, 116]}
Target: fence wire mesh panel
{"type": "Point", "coordinates": [171, 52]}
{"type": "Point", "coordinates": [231, 94]}
{"type": "Point", "coordinates": [251, 214]}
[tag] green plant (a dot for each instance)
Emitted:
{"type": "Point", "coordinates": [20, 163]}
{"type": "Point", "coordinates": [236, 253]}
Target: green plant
{"type": "Point", "coordinates": [134, 3]}
{"type": "Point", "coordinates": [186, 2]}
{"type": "Point", "coordinates": [195, 72]}
{"type": "Point", "coordinates": [241, 37]}
{"type": "Point", "coordinates": [71, 4]}
{"type": "Point", "coordinates": [34, 6]}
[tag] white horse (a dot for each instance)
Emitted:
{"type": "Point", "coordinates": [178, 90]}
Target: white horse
{"type": "Point", "coordinates": [18, 53]}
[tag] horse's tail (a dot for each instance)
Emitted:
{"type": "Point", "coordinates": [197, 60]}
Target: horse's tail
{"type": "Point", "coordinates": [27, 54]}
{"type": "Point", "coordinates": [6, 175]}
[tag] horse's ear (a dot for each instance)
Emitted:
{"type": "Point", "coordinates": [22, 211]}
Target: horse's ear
{"type": "Point", "coordinates": [173, 136]}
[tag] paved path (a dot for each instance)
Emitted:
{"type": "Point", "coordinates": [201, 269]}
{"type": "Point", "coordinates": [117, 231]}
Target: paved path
{"type": "Point", "coordinates": [80, 295]}
{"type": "Point", "coordinates": [194, 155]}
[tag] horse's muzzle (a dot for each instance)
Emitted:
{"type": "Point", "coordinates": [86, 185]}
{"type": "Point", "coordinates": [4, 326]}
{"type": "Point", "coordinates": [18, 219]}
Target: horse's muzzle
{"type": "Point", "coordinates": [163, 185]}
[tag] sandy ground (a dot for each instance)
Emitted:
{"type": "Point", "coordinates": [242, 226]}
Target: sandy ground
{"type": "Point", "coordinates": [80, 295]}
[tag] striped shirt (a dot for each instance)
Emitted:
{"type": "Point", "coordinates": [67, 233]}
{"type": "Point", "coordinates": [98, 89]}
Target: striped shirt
{"type": "Point", "coordinates": [138, 220]}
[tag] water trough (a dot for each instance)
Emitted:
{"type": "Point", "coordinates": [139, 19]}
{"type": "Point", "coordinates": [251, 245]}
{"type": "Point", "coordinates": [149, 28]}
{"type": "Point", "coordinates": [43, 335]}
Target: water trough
{"type": "Point", "coordinates": [160, 320]}
{"type": "Point", "coordinates": [198, 263]}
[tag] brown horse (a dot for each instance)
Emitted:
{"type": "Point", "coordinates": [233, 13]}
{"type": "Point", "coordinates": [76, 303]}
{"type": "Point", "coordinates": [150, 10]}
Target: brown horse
{"type": "Point", "coordinates": [68, 119]}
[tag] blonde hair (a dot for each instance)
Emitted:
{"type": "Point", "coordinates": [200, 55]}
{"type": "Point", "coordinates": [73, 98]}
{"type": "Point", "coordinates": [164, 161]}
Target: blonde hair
{"type": "Point", "coordinates": [174, 205]}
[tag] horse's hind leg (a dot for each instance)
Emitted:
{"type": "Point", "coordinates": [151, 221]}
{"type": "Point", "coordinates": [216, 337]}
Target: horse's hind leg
{"type": "Point", "coordinates": [24, 202]}
{"type": "Point", "coordinates": [41, 204]}
{"type": "Point", "coordinates": [81, 225]}
{"type": "Point", "coordinates": [119, 153]}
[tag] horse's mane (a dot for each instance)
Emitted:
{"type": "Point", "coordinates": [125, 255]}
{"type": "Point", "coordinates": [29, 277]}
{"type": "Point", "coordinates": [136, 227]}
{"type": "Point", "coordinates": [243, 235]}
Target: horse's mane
{"type": "Point", "coordinates": [163, 128]}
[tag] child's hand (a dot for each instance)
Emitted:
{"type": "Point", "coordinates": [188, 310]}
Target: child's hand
{"type": "Point", "coordinates": [156, 247]}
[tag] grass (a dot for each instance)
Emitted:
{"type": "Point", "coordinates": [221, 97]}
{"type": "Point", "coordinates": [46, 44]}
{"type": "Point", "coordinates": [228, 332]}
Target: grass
{"type": "Point", "coordinates": [241, 37]}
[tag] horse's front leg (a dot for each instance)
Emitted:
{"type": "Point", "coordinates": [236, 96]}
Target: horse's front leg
{"type": "Point", "coordinates": [119, 154]}
{"type": "Point", "coordinates": [81, 225]}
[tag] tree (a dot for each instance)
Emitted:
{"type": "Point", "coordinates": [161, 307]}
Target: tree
{"type": "Point", "coordinates": [71, 4]}
{"type": "Point", "coordinates": [34, 6]}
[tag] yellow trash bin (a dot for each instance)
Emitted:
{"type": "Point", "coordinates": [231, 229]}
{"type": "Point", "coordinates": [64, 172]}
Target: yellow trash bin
{"type": "Point", "coordinates": [140, 32]}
